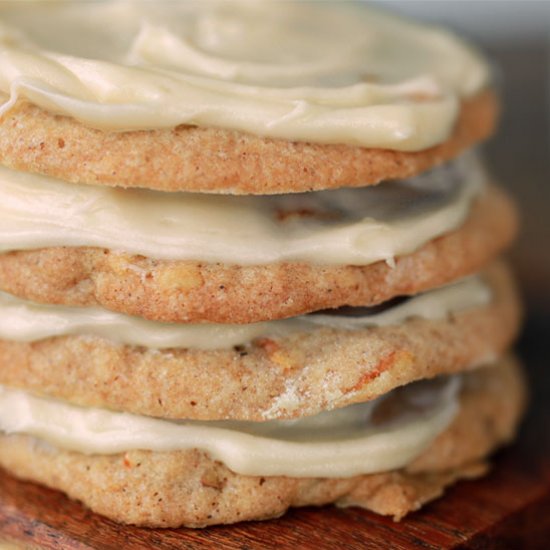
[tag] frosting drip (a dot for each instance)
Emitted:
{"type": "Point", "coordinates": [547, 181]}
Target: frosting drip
{"type": "Point", "coordinates": [344, 226]}
{"type": "Point", "coordinates": [358, 439]}
{"type": "Point", "coordinates": [328, 72]}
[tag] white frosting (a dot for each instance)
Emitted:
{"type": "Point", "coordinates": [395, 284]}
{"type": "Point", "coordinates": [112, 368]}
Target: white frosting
{"type": "Point", "coordinates": [339, 443]}
{"type": "Point", "coordinates": [355, 226]}
{"type": "Point", "coordinates": [27, 321]}
{"type": "Point", "coordinates": [332, 72]}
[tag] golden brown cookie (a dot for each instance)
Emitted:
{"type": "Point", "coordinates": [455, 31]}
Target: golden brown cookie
{"type": "Point", "coordinates": [212, 160]}
{"type": "Point", "coordinates": [302, 374]}
{"type": "Point", "coordinates": [189, 291]}
{"type": "Point", "coordinates": [188, 488]}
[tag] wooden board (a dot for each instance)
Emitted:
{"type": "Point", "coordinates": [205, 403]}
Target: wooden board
{"type": "Point", "coordinates": [510, 508]}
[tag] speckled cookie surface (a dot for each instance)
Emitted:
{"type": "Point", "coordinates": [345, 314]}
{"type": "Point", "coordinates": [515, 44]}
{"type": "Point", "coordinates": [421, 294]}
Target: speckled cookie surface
{"type": "Point", "coordinates": [189, 158]}
{"type": "Point", "coordinates": [188, 488]}
{"type": "Point", "coordinates": [272, 377]}
{"type": "Point", "coordinates": [188, 291]}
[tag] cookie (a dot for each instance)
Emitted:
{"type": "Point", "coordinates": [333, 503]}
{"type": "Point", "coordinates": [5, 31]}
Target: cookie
{"type": "Point", "coordinates": [297, 374]}
{"type": "Point", "coordinates": [171, 489]}
{"type": "Point", "coordinates": [190, 291]}
{"type": "Point", "coordinates": [177, 99]}
{"type": "Point", "coordinates": [211, 160]}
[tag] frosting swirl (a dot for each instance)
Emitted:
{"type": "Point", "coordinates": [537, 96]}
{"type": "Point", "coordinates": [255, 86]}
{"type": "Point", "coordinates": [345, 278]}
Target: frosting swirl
{"type": "Point", "coordinates": [327, 72]}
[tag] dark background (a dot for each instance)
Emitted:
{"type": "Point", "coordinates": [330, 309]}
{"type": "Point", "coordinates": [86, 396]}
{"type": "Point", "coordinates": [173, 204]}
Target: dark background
{"type": "Point", "coordinates": [515, 34]}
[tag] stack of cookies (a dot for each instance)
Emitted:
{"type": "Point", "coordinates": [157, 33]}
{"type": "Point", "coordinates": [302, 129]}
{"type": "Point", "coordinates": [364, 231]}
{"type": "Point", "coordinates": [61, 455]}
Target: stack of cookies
{"type": "Point", "coordinates": [209, 311]}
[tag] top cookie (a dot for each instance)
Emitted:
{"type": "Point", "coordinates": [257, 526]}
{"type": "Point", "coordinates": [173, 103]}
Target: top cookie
{"type": "Point", "coordinates": [233, 97]}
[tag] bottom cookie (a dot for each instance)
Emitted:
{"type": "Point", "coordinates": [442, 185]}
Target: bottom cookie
{"type": "Point", "coordinates": [170, 489]}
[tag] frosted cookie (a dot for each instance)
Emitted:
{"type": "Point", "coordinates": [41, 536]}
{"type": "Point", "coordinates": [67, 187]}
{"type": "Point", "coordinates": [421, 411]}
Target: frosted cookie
{"type": "Point", "coordinates": [278, 369]}
{"type": "Point", "coordinates": [191, 258]}
{"type": "Point", "coordinates": [234, 98]}
{"type": "Point", "coordinates": [418, 440]}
